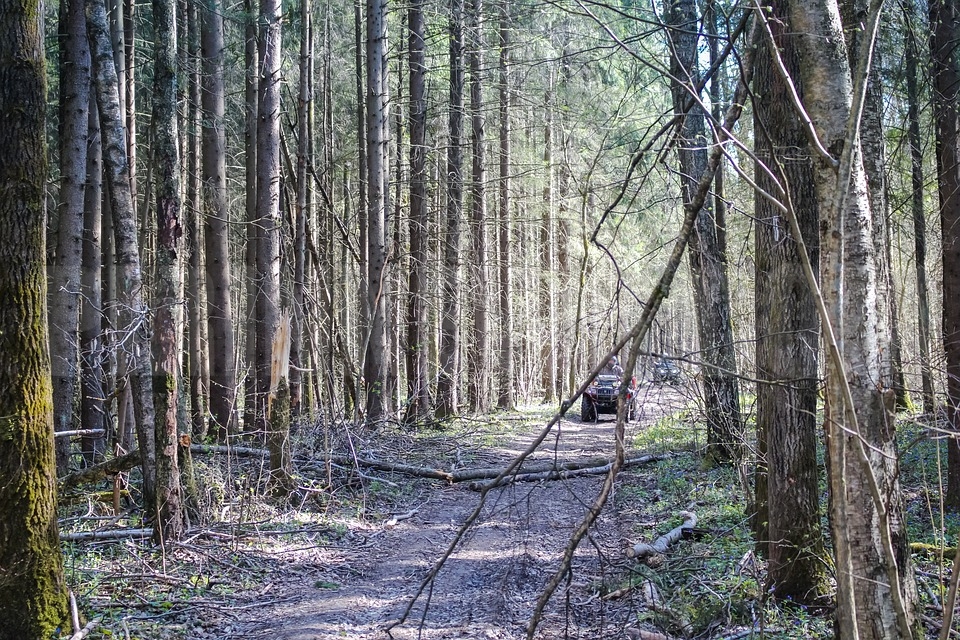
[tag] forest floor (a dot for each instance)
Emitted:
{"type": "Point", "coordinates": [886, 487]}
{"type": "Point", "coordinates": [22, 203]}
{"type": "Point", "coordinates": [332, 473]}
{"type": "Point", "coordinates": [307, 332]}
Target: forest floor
{"type": "Point", "coordinates": [490, 584]}
{"type": "Point", "coordinates": [346, 557]}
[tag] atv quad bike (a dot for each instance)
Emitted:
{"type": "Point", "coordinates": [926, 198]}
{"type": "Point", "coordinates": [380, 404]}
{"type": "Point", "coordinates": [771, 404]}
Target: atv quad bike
{"type": "Point", "coordinates": [665, 371]}
{"type": "Point", "coordinates": [601, 397]}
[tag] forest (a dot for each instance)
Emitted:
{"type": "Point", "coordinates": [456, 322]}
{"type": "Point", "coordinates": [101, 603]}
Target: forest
{"type": "Point", "coordinates": [504, 319]}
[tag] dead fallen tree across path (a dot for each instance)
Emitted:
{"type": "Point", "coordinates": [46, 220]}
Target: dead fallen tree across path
{"type": "Point", "coordinates": [533, 473]}
{"type": "Point", "coordinates": [564, 471]}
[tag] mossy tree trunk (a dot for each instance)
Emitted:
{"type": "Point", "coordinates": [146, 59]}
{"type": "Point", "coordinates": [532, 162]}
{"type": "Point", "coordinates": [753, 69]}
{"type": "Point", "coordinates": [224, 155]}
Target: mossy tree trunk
{"type": "Point", "coordinates": [32, 591]}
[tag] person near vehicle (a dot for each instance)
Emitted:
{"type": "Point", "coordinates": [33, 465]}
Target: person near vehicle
{"type": "Point", "coordinates": [612, 368]}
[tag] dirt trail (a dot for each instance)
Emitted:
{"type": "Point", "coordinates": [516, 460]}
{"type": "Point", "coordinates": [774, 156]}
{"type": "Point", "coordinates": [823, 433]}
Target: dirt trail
{"type": "Point", "coordinates": [489, 586]}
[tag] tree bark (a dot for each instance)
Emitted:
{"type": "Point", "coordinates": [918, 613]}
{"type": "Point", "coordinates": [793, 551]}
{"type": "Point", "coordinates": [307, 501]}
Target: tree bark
{"type": "Point", "coordinates": [418, 389]}
{"type": "Point", "coordinates": [875, 591]}
{"type": "Point", "coordinates": [547, 258]}
{"type": "Point", "coordinates": [377, 128]}
{"type": "Point", "coordinates": [787, 520]}
{"type": "Point", "coordinates": [33, 599]}
{"type": "Point", "coordinates": [132, 316]}
{"type": "Point", "coordinates": [707, 262]}
{"type": "Point", "coordinates": [912, 59]}
{"type": "Point", "coordinates": [478, 354]}
{"type": "Point", "coordinates": [854, 12]}
{"type": "Point", "coordinates": [268, 197]}
{"type": "Point", "coordinates": [92, 376]}
{"type": "Point", "coordinates": [505, 394]}
{"type": "Point", "coordinates": [167, 340]}
{"type": "Point", "coordinates": [449, 378]}
{"type": "Point", "coordinates": [945, 72]}
{"type": "Point", "coordinates": [304, 208]}
{"type": "Point", "coordinates": [216, 221]}
{"type": "Point", "coordinates": [66, 266]}
{"type": "Point", "coordinates": [195, 340]}
{"type": "Point", "coordinates": [251, 93]}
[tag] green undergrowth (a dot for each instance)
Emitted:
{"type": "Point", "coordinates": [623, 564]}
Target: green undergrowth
{"type": "Point", "coordinates": [708, 585]}
{"type": "Point", "coordinates": [711, 583]}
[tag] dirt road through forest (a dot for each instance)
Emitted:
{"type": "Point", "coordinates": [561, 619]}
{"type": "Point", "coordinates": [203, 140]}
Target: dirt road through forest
{"type": "Point", "coordinates": [489, 586]}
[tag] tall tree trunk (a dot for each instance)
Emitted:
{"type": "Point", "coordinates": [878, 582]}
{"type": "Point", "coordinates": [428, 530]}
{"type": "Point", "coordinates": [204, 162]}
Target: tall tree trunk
{"type": "Point", "coordinates": [945, 30]}
{"type": "Point", "coordinates": [547, 285]}
{"type": "Point", "coordinates": [216, 219]}
{"type": "Point", "coordinates": [854, 12]}
{"type": "Point", "coordinates": [132, 316]}
{"type": "Point", "coordinates": [787, 520]}
{"type": "Point", "coordinates": [478, 354]}
{"type": "Point", "coordinates": [66, 267]}
{"type": "Point", "coordinates": [33, 601]}
{"type": "Point", "coordinates": [268, 198]}
{"type": "Point", "coordinates": [126, 14]}
{"type": "Point", "coordinates": [505, 394]}
{"type": "Point", "coordinates": [92, 376]}
{"type": "Point", "coordinates": [875, 591]}
{"type": "Point", "coordinates": [169, 523]}
{"type": "Point", "coordinates": [449, 378]}
{"type": "Point", "coordinates": [362, 171]}
{"type": "Point", "coordinates": [377, 127]}
{"type": "Point", "coordinates": [251, 93]}
{"type": "Point", "coordinates": [303, 209]}
{"type": "Point", "coordinates": [917, 208]}
{"type": "Point", "coordinates": [418, 389]}
{"type": "Point", "coordinates": [194, 236]}
{"type": "Point", "coordinates": [707, 262]}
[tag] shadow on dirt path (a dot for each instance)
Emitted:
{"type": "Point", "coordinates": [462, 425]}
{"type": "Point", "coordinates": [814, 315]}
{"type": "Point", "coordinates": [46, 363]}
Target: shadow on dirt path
{"type": "Point", "coordinates": [489, 586]}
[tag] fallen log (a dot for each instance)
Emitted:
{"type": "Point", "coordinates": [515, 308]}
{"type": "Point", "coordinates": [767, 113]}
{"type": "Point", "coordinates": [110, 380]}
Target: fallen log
{"type": "Point", "coordinates": [100, 471]}
{"type": "Point", "coordinates": [531, 474]}
{"type": "Point", "coordinates": [79, 432]}
{"type": "Point", "coordinates": [243, 452]}
{"type": "Point", "coordinates": [109, 534]}
{"type": "Point", "coordinates": [128, 461]}
{"type": "Point", "coordinates": [593, 463]}
{"type": "Point", "coordinates": [563, 472]}
{"type": "Point", "coordinates": [643, 550]}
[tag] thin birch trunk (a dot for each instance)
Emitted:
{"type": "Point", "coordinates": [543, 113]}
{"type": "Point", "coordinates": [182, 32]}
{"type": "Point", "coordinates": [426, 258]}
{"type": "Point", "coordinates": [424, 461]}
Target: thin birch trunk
{"type": "Point", "coordinates": [875, 591]}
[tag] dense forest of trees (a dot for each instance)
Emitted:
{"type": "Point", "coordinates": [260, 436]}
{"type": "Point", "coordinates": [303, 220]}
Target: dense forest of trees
{"type": "Point", "coordinates": [262, 214]}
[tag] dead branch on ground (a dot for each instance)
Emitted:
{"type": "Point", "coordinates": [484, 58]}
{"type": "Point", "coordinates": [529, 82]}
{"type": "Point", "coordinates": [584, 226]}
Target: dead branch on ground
{"type": "Point", "coordinates": [642, 550]}
{"type": "Point", "coordinates": [565, 471]}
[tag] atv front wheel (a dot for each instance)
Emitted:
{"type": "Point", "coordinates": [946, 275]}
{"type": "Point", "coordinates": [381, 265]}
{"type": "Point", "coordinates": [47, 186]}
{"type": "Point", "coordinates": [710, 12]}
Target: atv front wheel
{"type": "Point", "coordinates": [588, 410]}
